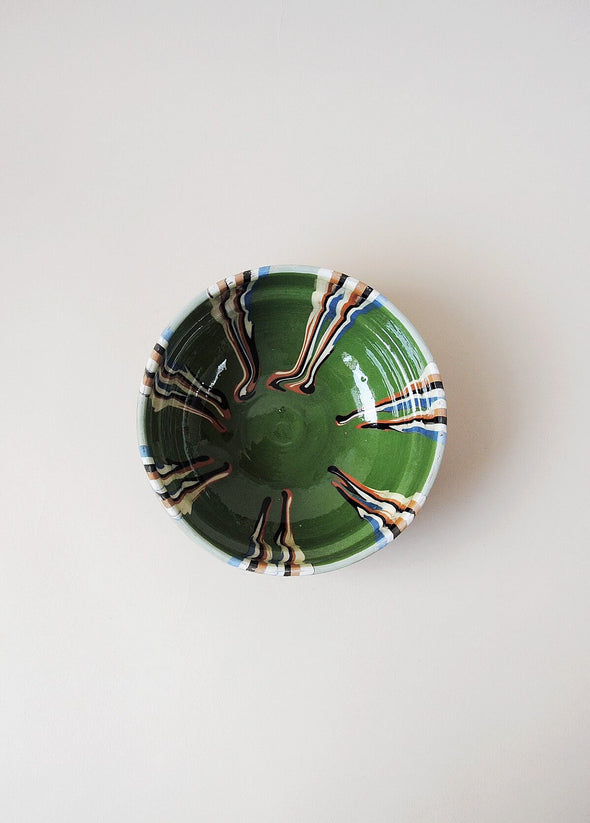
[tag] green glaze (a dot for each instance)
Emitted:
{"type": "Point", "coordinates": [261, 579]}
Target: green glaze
{"type": "Point", "coordinates": [281, 439]}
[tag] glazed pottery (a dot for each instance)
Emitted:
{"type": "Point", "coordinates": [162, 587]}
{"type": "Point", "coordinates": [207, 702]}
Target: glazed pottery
{"type": "Point", "coordinates": [292, 420]}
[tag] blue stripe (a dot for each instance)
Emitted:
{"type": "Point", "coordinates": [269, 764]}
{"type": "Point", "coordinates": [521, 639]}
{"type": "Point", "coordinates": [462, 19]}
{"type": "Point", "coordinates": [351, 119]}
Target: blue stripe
{"type": "Point", "coordinates": [246, 299]}
{"type": "Point", "coordinates": [263, 271]}
{"type": "Point", "coordinates": [144, 451]}
{"type": "Point", "coordinates": [332, 304]}
{"type": "Point", "coordinates": [167, 333]}
{"type": "Point", "coordinates": [372, 504]}
{"type": "Point", "coordinates": [352, 318]}
{"type": "Point", "coordinates": [383, 541]}
{"type": "Point", "coordinates": [234, 561]}
{"type": "Point", "coordinates": [377, 527]}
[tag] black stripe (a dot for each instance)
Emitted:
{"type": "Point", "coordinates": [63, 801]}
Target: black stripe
{"type": "Point", "coordinates": [384, 424]}
{"type": "Point", "coordinates": [408, 393]}
{"type": "Point", "coordinates": [309, 388]}
{"type": "Point", "coordinates": [276, 383]}
{"type": "Point", "coordinates": [166, 377]}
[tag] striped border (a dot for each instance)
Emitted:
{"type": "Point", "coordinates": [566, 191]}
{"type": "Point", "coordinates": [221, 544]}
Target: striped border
{"type": "Point", "coordinates": [270, 569]}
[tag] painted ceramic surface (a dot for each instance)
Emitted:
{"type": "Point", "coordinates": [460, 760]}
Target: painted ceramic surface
{"type": "Point", "coordinates": [292, 420]}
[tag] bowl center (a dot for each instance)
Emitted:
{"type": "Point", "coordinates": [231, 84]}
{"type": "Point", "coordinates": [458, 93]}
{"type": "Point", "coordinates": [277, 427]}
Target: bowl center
{"type": "Point", "coordinates": [278, 439]}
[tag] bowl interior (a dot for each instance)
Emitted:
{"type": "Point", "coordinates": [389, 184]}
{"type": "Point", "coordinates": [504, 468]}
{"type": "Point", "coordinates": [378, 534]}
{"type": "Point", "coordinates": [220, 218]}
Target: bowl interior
{"type": "Point", "coordinates": [292, 419]}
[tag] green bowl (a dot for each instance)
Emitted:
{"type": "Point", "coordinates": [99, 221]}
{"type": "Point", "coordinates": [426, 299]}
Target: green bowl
{"type": "Point", "coordinates": [291, 420]}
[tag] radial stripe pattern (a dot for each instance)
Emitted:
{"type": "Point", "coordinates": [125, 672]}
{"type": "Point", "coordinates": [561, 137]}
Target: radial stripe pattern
{"type": "Point", "coordinates": [230, 306]}
{"type": "Point", "coordinates": [387, 513]}
{"type": "Point", "coordinates": [419, 407]}
{"type": "Point", "coordinates": [178, 485]}
{"type": "Point", "coordinates": [336, 303]}
{"type": "Point", "coordinates": [288, 559]}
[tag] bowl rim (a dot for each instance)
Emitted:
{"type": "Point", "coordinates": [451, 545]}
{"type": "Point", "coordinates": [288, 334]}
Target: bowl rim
{"type": "Point", "coordinates": [143, 405]}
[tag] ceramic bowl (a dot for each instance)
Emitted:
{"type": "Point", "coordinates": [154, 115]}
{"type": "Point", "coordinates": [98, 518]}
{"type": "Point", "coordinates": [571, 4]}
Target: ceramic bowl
{"type": "Point", "coordinates": [292, 420]}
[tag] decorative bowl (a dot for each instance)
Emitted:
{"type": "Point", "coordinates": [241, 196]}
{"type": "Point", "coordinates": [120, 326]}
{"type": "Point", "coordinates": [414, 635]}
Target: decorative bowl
{"type": "Point", "coordinates": [291, 420]}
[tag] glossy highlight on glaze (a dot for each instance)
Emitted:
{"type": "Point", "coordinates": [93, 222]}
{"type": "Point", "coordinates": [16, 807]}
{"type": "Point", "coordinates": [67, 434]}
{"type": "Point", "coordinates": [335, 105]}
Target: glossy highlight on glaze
{"type": "Point", "coordinates": [336, 303]}
{"type": "Point", "coordinates": [168, 385]}
{"type": "Point", "coordinates": [230, 306]}
{"type": "Point", "coordinates": [419, 407]}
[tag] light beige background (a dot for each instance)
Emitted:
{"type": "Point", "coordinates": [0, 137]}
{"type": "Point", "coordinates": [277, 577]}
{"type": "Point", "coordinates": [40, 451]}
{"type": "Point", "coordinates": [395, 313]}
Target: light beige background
{"type": "Point", "coordinates": [437, 150]}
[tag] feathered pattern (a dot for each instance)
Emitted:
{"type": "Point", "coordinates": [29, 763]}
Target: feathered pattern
{"type": "Point", "coordinates": [387, 513]}
{"type": "Point", "coordinates": [167, 384]}
{"type": "Point", "coordinates": [336, 303]}
{"type": "Point", "coordinates": [419, 407]}
{"type": "Point", "coordinates": [258, 548]}
{"type": "Point", "coordinates": [290, 560]}
{"type": "Point", "coordinates": [179, 388]}
{"type": "Point", "coordinates": [178, 485]}
{"type": "Point", "coordinates": [230, 306]}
